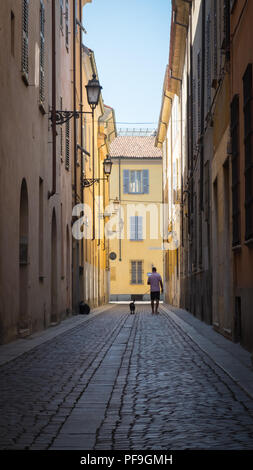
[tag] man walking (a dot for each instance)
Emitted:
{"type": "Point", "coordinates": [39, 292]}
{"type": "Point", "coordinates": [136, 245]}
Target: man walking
{"type": "Point", "coordinates": [155, 281]}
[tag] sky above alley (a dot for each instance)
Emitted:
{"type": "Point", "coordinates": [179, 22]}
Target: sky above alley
{"type": "Point", "coordinates": [130, 39]}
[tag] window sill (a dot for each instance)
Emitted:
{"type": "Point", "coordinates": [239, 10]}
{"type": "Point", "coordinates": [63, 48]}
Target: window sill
{"type": "Point", "coordinates": [249, 243]}
{"type": "Point", "coordinates": [133, 194]}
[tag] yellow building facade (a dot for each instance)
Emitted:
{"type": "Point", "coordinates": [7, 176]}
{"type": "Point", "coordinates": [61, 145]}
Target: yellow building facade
{"type": "Point", "coordinates": [135, 228]}
{"type": "Point", "coordinates": [90, 251]}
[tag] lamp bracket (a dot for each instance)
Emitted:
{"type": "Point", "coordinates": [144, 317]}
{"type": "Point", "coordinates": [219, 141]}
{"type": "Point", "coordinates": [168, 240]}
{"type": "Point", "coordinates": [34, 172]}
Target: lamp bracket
{"type": "Point", "coordinates": [86, 182]}
{"type": "Point", "coordinates": [61, 117]}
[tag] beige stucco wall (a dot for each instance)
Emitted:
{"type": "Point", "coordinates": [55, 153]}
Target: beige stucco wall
{"type": "Point", "coordinates": [26, 152]}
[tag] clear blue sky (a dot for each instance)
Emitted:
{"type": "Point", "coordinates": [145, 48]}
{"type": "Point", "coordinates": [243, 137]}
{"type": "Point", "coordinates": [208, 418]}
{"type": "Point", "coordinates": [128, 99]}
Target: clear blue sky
{"type": "Point", "coordinates": [130, 39]}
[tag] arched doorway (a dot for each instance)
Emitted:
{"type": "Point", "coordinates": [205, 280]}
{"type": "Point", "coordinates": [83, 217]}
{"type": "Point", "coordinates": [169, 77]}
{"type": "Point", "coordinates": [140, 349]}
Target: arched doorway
{"type": "Point", "coordinates": [54, 315]}
{"type": "Point", "coordinates": [23, 323]}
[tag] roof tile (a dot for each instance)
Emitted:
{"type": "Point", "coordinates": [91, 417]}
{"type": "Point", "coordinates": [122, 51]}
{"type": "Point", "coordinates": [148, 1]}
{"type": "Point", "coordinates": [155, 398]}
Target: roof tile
{"type": "Point", "coordinates": [135, 147]}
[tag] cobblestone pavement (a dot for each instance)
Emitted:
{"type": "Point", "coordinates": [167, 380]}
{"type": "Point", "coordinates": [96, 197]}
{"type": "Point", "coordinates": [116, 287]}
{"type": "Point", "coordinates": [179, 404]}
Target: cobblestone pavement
{"type": "Point", "coordinates": [121, 381]}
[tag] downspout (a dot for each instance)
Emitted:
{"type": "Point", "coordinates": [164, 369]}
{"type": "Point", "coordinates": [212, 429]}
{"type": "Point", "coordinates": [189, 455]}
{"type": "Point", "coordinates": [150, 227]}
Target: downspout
{"type": "Point", "coordinates": [202, 103]}
{"type": "Point", "coordinates": [74, 99]}
{"type": "Point", "coordinates": [53, 191]}
{"type": "Point", "coordinates": [120, 245]}
{"type": "Point", "coordinates": [81, 117]}
{"type": "Point", "coordinates": [76, 290]}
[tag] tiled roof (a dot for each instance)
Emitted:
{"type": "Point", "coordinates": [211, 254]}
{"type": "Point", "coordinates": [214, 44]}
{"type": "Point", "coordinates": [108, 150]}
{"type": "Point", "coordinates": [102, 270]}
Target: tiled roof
{"type": "Point", "coordinates": [134, 147]}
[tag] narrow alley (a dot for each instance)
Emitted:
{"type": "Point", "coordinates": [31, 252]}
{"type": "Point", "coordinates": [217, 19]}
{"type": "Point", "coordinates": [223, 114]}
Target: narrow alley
{"type": "Point", "coordinates": [111, 380]}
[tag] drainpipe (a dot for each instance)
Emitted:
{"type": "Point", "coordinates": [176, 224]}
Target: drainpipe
{"type": "Point", "coordinates": [120, 245]}
{"type": "Point", "coordinates": [74, 98]}
{"type": "Point", "coordinates": [76, 296]}
{"type": "Point", "coordinates": [53, 191]}
{"type": "Point", "coordinates": [202, 102]}
{"type": "Point", "coordinates": [81, 117]}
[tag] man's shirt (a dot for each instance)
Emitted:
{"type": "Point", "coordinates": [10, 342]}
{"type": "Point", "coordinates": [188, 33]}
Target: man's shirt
{"type": "Point", "coordinates": [154, 281]}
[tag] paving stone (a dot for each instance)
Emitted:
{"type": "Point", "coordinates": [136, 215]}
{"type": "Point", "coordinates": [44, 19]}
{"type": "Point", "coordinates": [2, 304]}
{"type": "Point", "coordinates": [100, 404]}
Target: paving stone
{"type": "Point", "coordinates": [127, 382]}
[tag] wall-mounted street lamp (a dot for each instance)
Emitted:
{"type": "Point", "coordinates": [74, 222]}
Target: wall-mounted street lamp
{"type": "Point", "coordinates": [59, 117]}
{"type": "Point", "coordinates": [107, 164]}
{"type": "Point", "coordinates": [93, 90]}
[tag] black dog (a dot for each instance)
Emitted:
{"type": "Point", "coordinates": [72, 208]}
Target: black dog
{"type": "Point", "coordinates": [132, 307]}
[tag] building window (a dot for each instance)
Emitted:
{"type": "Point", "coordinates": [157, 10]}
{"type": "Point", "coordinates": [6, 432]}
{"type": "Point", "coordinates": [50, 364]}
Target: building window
{"type": "Point", "coordinates": [61, 132]}
{"type": "Point", "coordinates": [226, 22]}
{"type": "Point", "coordinates": [207, 195]}
{"type": "Point", "coordinates": [194, 123]}
{"type": "Point", "coordinates": [41, 228]}
{"type": "Point", "coordinates": [215, 39]}
{"type": "Point", "coordinates": [42, 52]}
{"type": "Point", "coordinates": [67, 24]}
{"type": "Point", "coordinates": [136, 272]}
{"type": "Point", "coordinates": [67, 146]}
{"type": "Point", "coordinates": [136, 181]}
{"type": "Point", "coordinates": [208, 62]}
{"type": "Point", "coordinates": [25, 34]}
{"type": "Point", "coordinates": [234, 130]}
{"type": "Point", "coordinates": [61, 15]}
{"type": "Point", "coordinates": [136, 228]}
{"type": "Point", "coordinates": [12, 34]}
{"type": "Point", "coordinates": [199, 92]}
{"type": "Point", "coordinates": [248, 147]}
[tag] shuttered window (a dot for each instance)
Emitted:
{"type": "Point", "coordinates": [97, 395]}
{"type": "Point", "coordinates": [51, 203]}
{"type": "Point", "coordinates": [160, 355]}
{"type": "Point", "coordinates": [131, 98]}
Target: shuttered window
{"type": "Point", "coordinates": [136, 228]}
{"type": "Point", "coordinates": [42, 52]}
{"type": "Point", "coordinates": [61, 15]}
{"type": "Point", "coordinates": [61, 131]}
{"type": "Point", "coordinates": [215, 39]}
{"type": "Point", "coordinates": [136, 273]}
{"type": "Point", "coordinates": [67, 24]}
{"type": "Point", "coordinates": [248, 148]}
{"type": "Point", "coordinates": [67, 146]}
{"type": "Point", "coordinates": [234, 109]}
{"type": "Point", "coordinates": [199, 92]}
{"type": "Point", "coordinates": [226, 21]}
{"type": "Point", "coordinates": [208, 62]}
{"type": "Point", "coordinates": [25, 35]}
{"type": "Point", "coordinates": [136, 181]}
{"type": "Point", "coordinates": [194, 123]}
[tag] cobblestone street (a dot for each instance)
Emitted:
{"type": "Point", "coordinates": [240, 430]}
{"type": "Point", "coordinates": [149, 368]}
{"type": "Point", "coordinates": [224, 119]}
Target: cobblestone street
{"type": "Point", "coordinates": [120, 381]}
